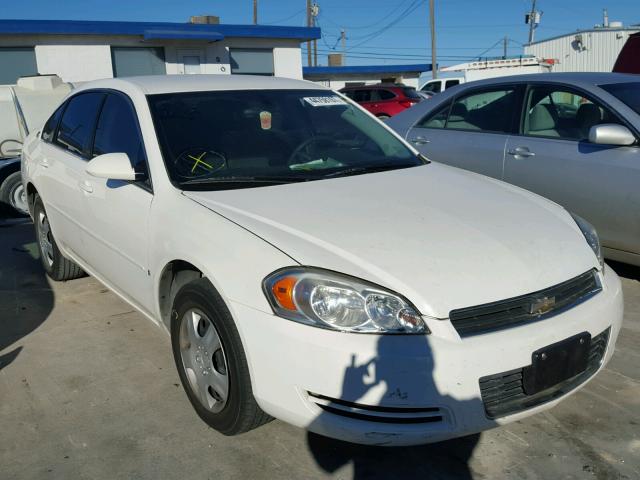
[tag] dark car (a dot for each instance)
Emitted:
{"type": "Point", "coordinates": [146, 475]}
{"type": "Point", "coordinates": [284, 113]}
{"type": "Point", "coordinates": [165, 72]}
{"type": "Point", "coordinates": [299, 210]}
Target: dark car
{"type": "Point", "coordinates": [382, 100]}
{"type": "Point", "coordinates": [12, 192]}
{"type": "Point", "coordinates": [629, 59]}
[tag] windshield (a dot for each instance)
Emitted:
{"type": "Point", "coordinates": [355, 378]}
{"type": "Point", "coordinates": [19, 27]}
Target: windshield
{"type": "Point", "coordinates": [627, 93]}
{"type": "Point", "coordinates": [232, 139]}
{"type": "Point", "coordinates": [410, 92]}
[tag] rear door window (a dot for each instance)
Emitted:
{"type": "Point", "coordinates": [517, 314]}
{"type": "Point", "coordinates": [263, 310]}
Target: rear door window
{"type": "Point", "coordinates": [451, 83]}
{"type": "Point", "coordinates": [437, 119]}
{"type": "Point", "coordinates": [486, 110]}
{"type": "Point", "coordinates": [362, 95]}
{"type": "Point", "coordinates": [78, 122]}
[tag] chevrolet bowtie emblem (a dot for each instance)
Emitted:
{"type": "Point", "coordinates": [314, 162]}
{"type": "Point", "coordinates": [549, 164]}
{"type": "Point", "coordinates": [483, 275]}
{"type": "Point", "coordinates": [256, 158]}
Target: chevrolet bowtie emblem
{"type": "Point", "coordinates": [542, 305]}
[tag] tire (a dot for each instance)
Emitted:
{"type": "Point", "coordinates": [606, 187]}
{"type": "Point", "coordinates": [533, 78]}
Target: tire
{"type": "Point", "coordinates": [55, 264]}
{"type": "Point", "coordinates": [209, 355]}
{"type": "Point", "coordinates": [12, 193]}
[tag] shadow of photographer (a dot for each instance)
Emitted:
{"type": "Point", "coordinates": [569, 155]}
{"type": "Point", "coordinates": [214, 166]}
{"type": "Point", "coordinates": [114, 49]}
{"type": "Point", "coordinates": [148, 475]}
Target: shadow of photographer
{"type": "Point", "coordinates": [403, 369]}
{"type": "Point", "coordinates": [26, 299]}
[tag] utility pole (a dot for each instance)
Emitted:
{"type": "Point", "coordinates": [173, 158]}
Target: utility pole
{"type": "Point", "coordinates": [255, 12]}
{"type": "Point", "coordinates": [432, 24]}
{"type": "Point", "coordinates": [504, 47]}
{"type": "Point", "coordinates": [533, 19]}
{"type": "Point", "coordinates": [308, 25]}
{"type": "Point", "coordinates": [343, 41]}
{"type": "Point", "coordinates": [315, 10]}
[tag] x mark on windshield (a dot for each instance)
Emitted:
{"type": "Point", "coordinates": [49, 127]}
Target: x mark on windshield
{"type": "Point", "coordinates": [198, 160]}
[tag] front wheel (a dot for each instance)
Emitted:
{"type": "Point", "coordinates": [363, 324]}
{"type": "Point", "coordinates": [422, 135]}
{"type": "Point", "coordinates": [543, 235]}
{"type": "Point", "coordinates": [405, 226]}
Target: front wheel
{"type": "Point", "coordinates": [57, 267]}
{"type": "Point", "coordinates": [211, 362]}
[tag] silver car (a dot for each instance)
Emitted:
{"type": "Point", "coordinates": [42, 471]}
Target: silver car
{"type": "Point", "coordinates": [570, 137]}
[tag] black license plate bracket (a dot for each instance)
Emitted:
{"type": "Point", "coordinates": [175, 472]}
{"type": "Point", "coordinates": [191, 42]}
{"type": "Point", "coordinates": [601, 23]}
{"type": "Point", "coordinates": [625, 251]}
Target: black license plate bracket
{"type": "Point", "coordinates": [555, 363]}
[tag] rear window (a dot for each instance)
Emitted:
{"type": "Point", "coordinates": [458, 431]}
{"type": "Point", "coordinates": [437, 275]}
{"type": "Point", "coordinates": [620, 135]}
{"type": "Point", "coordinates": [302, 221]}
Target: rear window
{"type": "Point", "coordinates": [410, 92]}
{"type": "Point", "coordinates": [627, 93]}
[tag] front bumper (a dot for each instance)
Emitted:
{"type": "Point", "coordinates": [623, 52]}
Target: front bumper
{"type": "Point", "coordinates": [402, 389]}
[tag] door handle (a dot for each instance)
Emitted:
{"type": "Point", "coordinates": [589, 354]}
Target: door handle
{"type": "Point", "coordinates": [86, 186]}
{"type": "Point", "coordinates": [44, 163]}
{"type": "Point", "coordinates": [420, 140]}
{"type": "Point", "coordinates": [521, 152]}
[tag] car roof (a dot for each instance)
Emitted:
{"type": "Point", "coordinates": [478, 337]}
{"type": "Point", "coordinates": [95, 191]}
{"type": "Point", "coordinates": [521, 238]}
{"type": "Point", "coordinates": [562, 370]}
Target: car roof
{"type": "Point", "coordinates": [583, 79]}
{"type": "Point", "coordinates": [377, 85]}
{"type": "Point", "coordinates": [156, 84]}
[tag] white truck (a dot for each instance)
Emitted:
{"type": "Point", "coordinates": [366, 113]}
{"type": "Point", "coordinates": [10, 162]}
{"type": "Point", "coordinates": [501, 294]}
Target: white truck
{"type": "Point", "coordinates": [23, 107]}
{"type": "Point", "coordinates": [487, 69]}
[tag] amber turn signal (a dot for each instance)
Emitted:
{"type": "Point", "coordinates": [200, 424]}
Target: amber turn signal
{"type": "Point", "coordinates": [283, 292]}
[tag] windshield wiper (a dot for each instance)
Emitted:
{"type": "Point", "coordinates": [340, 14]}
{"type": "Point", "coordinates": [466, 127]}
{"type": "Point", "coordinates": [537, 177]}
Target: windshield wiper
{"type": "Point", "coordinates": [369, 169]}
{"type": "Point", "coordinates": [275, 180]}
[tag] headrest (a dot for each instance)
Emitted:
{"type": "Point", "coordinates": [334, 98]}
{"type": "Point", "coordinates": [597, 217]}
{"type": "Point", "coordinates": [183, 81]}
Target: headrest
{"type": "Point", "coordinates": [541, 118]}
{"type": "Point", "coordinates": [588, 115]}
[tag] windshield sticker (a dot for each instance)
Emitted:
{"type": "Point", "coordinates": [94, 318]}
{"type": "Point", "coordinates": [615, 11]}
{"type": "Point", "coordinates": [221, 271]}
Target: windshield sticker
{"type": "Point", "coordinates": [324, 101]}
{"type": "Point", "coordinates": [265, 120]}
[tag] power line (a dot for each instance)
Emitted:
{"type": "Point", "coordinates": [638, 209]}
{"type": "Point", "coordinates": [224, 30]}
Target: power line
{"type": "Point", "coordinates": [364, 27]}
{"type": "Point", "coordinates": [410, 9]}
{"type": "Point", "coordinates": [286, 18]}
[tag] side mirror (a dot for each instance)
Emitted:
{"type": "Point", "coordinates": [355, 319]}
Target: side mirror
{"type": "Point", "coordinates": [611, 134]}
{"type": "Point", "coordinates": [112, 166]}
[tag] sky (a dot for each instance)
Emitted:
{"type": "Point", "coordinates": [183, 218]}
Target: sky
{"type": "Point", "coordinates": [378, 32]}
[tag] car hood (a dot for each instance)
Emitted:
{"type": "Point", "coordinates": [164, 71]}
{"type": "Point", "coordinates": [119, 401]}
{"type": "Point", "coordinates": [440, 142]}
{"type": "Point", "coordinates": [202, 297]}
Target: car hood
{"type": "Point", "coordinates": [442, 237]}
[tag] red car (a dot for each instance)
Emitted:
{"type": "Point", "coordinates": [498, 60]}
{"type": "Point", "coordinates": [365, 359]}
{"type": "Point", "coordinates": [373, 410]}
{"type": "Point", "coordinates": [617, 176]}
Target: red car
{"type": "Point", "coordinates": [629, 59]}
{"type": "Point", "coordinates": [383, 100]}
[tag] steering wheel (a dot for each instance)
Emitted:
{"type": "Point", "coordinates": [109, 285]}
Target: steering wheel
{"type": "Point", "coordinates": [302, 150]}
{"type": "Point", "coordinates": [196, 162]}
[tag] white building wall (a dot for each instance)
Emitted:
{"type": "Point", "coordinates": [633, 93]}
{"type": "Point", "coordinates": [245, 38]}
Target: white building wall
{"type": "Point", "coordinates": [598, 53]}
{"type": "Point", "coordinates": [88, 57]}
{"type": "Point", "coordinates": [75, 63]}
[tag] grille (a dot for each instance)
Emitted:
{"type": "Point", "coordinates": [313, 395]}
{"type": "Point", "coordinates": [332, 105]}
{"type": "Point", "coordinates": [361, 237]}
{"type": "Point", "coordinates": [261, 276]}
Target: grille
{"type": "Point", "coordinates": [503, 393]}
{"type": "Point", "coordinates": [377, 413]}
{"type": "Point", "coordinates": [523, 309]}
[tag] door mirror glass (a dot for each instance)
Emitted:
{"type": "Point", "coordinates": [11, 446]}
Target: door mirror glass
{"type": "Point", "coordinates": [611, 134]}
{"type": "Point", "coordinates": [111, 166]}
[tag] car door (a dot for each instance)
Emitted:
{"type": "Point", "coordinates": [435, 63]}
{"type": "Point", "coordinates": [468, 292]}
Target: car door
{"type": "Point", "coordinates": [117, 212]}
{"type": "Point", "coordinates": [471, 130]}
{"type": "Point", "coordinates": [553, 157]}
{"type": "Point", "coordinates": [61, 162]}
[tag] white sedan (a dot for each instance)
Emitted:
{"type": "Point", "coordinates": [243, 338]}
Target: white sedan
{"type": "Point", "coordinates": [311, 266]}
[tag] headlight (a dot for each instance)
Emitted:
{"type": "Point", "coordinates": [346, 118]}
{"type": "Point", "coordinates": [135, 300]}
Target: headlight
{"type": "Point", "coordinates": [331, 300]}
{"type": "Point", "coordinates": [591, 236]}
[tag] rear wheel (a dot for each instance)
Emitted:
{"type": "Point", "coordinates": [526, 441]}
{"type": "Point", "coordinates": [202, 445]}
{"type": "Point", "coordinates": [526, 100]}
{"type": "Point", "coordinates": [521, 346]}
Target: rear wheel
{"type": "Point", "coordinates": [12, 193]}
{"type": "Point", "coordinates": [211, 361]}
{"type": "Point", "coordinates": [57, 267]}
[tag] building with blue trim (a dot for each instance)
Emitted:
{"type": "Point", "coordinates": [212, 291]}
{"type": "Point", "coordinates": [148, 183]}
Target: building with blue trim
{"type": "Point", "coordinates": [338, 76]}
{"type": "Point", "coordinates": [87, 50]}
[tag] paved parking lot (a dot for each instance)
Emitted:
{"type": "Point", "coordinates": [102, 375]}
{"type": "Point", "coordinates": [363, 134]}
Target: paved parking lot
{"type": "Point", "coordinates": [88, 389]}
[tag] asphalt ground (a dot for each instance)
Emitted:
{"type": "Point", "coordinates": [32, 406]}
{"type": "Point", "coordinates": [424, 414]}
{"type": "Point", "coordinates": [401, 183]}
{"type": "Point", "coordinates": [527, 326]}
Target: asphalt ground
{"type": "Point", "coordinates": [88, 389]}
